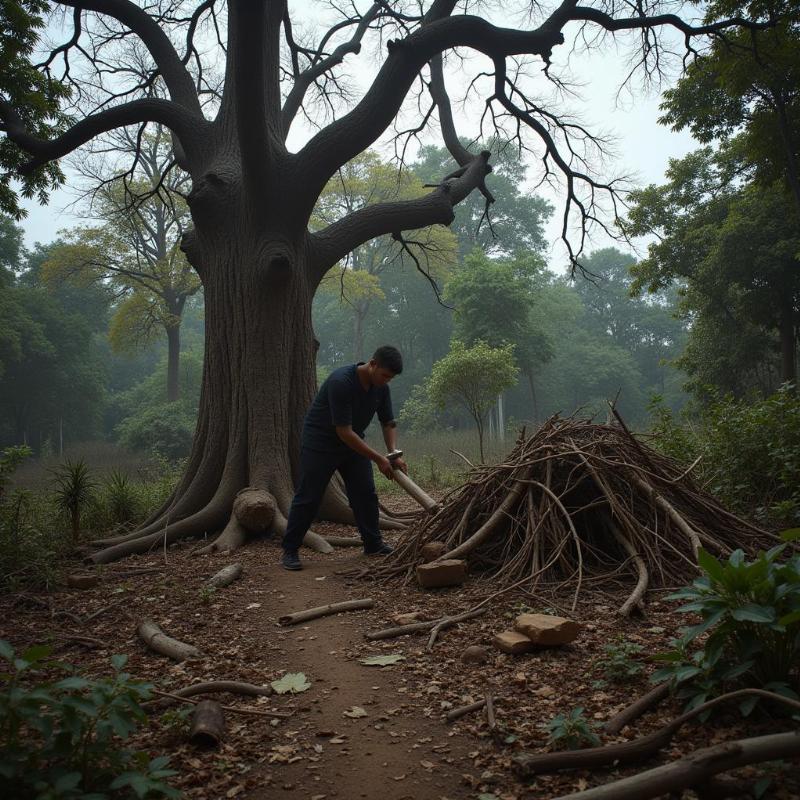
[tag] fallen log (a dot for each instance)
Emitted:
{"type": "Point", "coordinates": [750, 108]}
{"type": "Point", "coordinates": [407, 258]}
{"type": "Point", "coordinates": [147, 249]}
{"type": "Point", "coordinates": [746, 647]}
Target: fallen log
{"type": "Point", "coordinates": [324, 611]}
{"type": "Point", "coordinates": [226, 576]}
{"type": "Point", "coordinates": [208, 724]}
{"type": "Point", "coordinates": [696, 768]}
{"type": "Point", "coordinates": [158, 641]}
{"type": "Point", "coordinates": [637, 708]}
{"type": "Point", "coordinates": [527, 764]}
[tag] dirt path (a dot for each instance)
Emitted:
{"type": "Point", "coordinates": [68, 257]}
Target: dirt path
{"type": "Point", "coordinates": [393, 752]}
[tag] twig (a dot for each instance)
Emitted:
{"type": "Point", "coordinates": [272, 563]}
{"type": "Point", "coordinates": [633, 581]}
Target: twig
{"type": "Point", "coordinates": [248, 711]}
{"type": "Point", "coordinates": [324, 611]}
{"type": "Point", "coordinates": [457, 713]}
{"type": "Point", "coordinates": [637, 708]}
{"type": "Point", "coordinates": [416, 627]}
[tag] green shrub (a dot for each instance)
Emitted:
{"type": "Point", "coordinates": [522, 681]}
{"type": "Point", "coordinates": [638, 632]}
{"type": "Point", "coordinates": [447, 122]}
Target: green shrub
{"type": "Point", "coordinates": [750, 451]}
{"type": "Point", "coordinates": [74, 491]}
{"type": "Point", "coordinates": [120, 495]}
{"type": "Point", "coordinates": [10, 459]}
{"type": "Point", "coordinates": [619, 661]}
{"type": "Point", "coordinates": [571, 731]}
{"type": "Point", "coordinates": [751, 613]}
{"type": "Point", "coordinates": [166, 429]}
{"type": "Point", "coordinates": [62, 739]}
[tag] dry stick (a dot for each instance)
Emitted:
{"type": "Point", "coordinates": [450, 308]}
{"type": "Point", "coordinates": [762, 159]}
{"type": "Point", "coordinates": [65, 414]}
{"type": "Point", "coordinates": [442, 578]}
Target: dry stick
{"type": "Point", "coordinates": [210, 687]}
{"type": "Point", "coordinates": [86, 641]}
{"type": "Point", "coordinates": [157, 640]}
{"type": "Point", "coordinates": [527, 764]}
{"type": "Point", "coordinates": [686, 471]}
{"type": "Point", "coordinates": [247, 711]}
{"type": "Point", "coordinates": [324, 611]}
{"type": "Point", "coordinates": [490, 718]}
{"type": "Point", "coordinates": [416, 627]}
{"type": "Point", "coordinates": [457, 713]}
{"type": "Point", "coordinates": [637, 708]}
{"type": "Point", "coordinates": [695, 768]}
{"type": "Point", "coordinates": [637, 595]}
{"type": "Point", "coordinates": [462, 457]}
{"type": "Point", "coordinates": [103, 610]}
{"type": "Point", "coordinates": [693, 535]}
{"type": "Point", "coordinates": [486, 530]}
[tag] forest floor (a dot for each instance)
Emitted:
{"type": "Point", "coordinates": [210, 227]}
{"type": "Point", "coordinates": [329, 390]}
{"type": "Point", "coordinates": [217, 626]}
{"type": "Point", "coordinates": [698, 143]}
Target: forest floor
{"type": "Point", "coordinates": [362, 731]}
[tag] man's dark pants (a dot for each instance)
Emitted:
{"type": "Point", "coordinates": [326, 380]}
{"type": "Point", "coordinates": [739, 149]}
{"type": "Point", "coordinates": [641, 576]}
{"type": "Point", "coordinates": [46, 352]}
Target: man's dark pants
{"type": "Point", "coordinates": [316, 470]}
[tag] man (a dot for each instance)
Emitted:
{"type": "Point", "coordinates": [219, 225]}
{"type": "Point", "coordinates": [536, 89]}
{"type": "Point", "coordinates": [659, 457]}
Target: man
{"type": "Point", "coordinates": [333, 439]}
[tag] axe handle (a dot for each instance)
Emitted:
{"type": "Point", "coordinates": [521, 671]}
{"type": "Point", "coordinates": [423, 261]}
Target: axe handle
{"type": "Point", "coordinates": [423, 498]}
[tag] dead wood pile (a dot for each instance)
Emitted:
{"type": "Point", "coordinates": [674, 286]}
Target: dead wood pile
{"type": "Point", "coordinates": [579, 504]}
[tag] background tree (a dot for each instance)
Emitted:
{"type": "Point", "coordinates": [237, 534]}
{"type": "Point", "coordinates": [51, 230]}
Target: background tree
{"type": "Point", "coordinates": [136, 251]}
{"type": "Point", "coordinates": [252, 199]}
{"type": "Point", "coordinates": [736, 245]}
{"type": "Point", "coordinates": [474, 377]}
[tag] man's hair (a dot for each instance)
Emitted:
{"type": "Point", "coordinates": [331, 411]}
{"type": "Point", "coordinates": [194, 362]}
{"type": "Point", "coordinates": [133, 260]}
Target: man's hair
{"type": "Point", "coordinates": [389, 358]}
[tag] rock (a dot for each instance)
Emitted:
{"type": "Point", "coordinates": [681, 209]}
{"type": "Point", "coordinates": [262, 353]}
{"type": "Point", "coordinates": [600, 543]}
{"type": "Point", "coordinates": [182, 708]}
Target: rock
{"type": "Point", "coordinates": [512, 642]}
{"type": "Point", "coordinates": [82, 581]}
{"type": "Point", "coordinates": [432, 551]}
{"type": "Point", "coordinates": [475, 654]}
{"type": "Point", "coordinates": [543, 629]}
{"type": "Point", "coordinates": [409, 618]}
{"type": "Point", "coordinates": [450, 572]}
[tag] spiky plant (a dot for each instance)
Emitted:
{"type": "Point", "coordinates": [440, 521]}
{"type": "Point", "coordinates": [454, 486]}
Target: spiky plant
{"type": "Point", "coordinates": [74, 490]}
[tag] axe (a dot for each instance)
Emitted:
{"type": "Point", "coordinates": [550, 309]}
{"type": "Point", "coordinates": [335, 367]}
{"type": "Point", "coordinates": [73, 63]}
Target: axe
{"type": "Point", "coordinates": [423, 498]}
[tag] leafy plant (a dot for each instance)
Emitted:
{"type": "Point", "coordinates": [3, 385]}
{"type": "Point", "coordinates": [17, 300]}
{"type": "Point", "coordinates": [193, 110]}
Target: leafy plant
{"type": "Point", "coordinates": [74, 490]}
{"type": "Point", "coordinates": [120, 496]}
{"type": "Point", "coordinates": [619, 662]}
{"type": "Point", "coordinates": [62, 739]}
{"type": "Point", "coordinates": [571, 731]}
{"type": "Point", "coordinates": [751, 613]}
{"type": "Point", "coordinates": [10, 459]}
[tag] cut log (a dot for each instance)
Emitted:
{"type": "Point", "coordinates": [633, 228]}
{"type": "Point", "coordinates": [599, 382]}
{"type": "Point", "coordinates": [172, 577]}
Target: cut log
{"type": "Point", "coordinates": [226, 576]}
{"type": "Point", "coordinates": [254, 508]}
{"type": "Point", "coordinates": [208, 724]}
{"type": "Point", "coordinates": [83, 580]}
{"type": "Point", "coordinates": [696, 768]}
{"type": "Point", "coordinates": [324, 611]}
{"type": "Point", "coordinates": [158, 641]}
{"type": "Point", "coordinates": [432, 550]}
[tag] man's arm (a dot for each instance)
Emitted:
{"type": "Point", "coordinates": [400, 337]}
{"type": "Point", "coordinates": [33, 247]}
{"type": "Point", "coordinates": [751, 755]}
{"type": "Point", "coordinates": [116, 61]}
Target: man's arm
{"type": "Point", "coordinates": [390, 437]}
{"type": "Point", "coordinates": [355, 442]}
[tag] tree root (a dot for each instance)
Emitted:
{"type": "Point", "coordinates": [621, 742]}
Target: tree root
{"type": "Point", "coordinates": [344, 541]}
{"type": "Point", "coordinates": [324, 611]}
{"type": "Point", "coordinates": [416, 627]}
{"type": "Point", "coordinates": [695, 769]}
{"type": "Point", "coordinates": [637, 709]}
{"type": "Point", "coordinates": [158, 641]}
{"type": "Point", "coordinates": [527, 764]}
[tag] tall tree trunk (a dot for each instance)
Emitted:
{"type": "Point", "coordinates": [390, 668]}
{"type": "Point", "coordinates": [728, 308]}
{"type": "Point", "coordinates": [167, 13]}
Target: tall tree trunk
{"type": "Point", "coordinates": [173, 362]}
{"type": "Point", "coordinates": [258, 380]}
{"type": "Point", "coordinates": [534, 399]}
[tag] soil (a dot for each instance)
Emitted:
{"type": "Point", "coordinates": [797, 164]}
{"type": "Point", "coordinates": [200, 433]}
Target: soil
{"type": "Point", "coordinates": [361, 731]}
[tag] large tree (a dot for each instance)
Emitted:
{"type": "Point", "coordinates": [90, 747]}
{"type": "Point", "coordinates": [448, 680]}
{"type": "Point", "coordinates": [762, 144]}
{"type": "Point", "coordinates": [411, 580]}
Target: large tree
{"type": "Point", "coordinates": [252, 198]}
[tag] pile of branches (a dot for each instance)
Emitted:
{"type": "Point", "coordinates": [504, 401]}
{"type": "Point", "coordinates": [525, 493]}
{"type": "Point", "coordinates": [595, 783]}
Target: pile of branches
{"type": "Point", "coordinates": [579, 504]}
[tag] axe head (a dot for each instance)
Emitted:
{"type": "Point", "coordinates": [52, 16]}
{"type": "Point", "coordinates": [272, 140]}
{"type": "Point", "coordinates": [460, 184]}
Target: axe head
{"type": "Point", "coordinates": [394, 454]}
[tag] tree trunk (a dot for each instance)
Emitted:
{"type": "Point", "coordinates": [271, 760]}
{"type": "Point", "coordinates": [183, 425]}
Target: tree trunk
{"type": "Point", "coordinates": [173, 362]}
{"type": "Point", "coordinates": [534, 399]}
{"type": "Point", "coordinates": [258, 380]}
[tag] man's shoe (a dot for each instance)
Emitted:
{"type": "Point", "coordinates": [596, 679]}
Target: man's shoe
{"type": "Point", "coordinates": [383, 550]}
{"type": "Point", "coordinates": [291, 560]}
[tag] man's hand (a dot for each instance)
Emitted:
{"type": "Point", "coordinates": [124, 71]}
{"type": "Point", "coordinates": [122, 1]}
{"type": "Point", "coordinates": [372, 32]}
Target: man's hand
{"type": "Point", "coordinates": [398, 463]}
{"type": "Point", "coordinates": [385, 466]}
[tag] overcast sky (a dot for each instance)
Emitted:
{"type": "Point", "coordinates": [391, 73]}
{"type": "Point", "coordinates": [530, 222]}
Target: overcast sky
{"type": "Point", "coordinates": [643, 147]}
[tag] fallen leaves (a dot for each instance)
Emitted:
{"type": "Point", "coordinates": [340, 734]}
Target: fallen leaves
{"type": "Point", "coordinates": [382, 661]}
{"type": "Point", "coordinates": [291, 683]}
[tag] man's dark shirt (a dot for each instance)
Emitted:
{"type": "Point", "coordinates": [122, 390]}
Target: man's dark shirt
{"type": "Point", "coordinates": [342, 400]}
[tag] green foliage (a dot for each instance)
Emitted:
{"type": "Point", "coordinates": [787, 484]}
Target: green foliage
{"type": "Point", "coordinates": [61, 739]}
{"type": "Point", "coordinates": [166, 430]}
{"type": "Point", "coordinates": [473, 377]}
{"type": "Point", "coordinates": [750, 451]}
{"type": "Point", "coordinates": [571, 731]}
{"type": "Point", "coordinates": [620, 661]}
{"type": "Point", "coordinates": [120, 496]}
{"type": "Point", "coordinates": [750, 611]}
{"type": "Point", "coordinates": [74, 490]}
{"type": "Point", "coordinates": [10, 459]}
{"type": "Point", "coordinates": [34, 98]}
